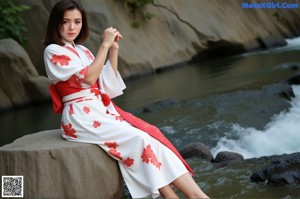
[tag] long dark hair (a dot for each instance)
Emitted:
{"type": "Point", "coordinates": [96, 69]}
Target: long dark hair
{"type": "Point", "coordinates": [56, 20]}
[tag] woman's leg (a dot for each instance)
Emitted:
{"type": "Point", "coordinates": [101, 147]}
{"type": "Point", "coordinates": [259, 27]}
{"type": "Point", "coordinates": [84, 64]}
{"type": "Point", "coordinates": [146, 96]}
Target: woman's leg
{"type": "Point", "coordinates": [167, 192]}
{"type": "Point", "coordinates": [188, 186]}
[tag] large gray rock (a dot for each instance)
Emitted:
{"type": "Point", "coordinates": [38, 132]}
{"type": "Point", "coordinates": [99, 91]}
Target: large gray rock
{"type": "Point", "coordinates": [19, 81]}
{"type": "Point", "coordinates": [55, 168]}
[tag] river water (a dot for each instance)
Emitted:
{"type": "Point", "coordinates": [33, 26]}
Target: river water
{"type": "Point", "coordinates": [223, 103]}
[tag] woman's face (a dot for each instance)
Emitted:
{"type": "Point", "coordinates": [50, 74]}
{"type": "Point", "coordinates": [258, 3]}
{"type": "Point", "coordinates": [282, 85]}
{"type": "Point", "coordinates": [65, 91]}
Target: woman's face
{"type": "Point", "coordinates": [71, 25]}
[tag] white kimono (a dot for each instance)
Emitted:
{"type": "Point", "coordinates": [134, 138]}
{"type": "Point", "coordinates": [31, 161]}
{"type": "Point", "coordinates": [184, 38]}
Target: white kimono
{"type": "Point", "coordinates": [145, 163]}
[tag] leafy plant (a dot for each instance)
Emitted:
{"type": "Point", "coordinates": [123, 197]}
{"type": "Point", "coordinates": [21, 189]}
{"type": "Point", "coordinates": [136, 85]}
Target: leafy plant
{"type": "Point", "coordinates": [12, 24]}
{"type": "Point", "coordinates": [277, 16]}
{"type": "Point", "coordinates": [137, 9]}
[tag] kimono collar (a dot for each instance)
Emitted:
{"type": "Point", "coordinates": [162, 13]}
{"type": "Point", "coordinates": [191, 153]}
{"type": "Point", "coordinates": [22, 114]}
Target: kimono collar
{"type": "Point", "coordinates": [70, 47]}
{"type": "Point", "coordinates": [68, 44]}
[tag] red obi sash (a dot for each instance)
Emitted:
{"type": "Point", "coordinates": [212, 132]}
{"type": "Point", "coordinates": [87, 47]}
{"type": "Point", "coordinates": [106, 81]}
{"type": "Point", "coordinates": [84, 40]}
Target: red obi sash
{"type": "Point", "coordinates": [62, 89]}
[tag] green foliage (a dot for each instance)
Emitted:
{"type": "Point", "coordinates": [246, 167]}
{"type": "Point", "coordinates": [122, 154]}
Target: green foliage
{"type": "Point", "coordinates": [136, 24]}
{"type": "Point", "coordinates": [12, 24]}
{"type": "Point", "coordinates": [137, 9]}
{"type": "Point", "coordinates": [277, 16]}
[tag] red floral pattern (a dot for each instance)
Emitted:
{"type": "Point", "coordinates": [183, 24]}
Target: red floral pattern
{"type": "Point", "coordinates": [86, 109]}
{"type": "Point", "coordinates": [96, 124]}
{"type": "Point", "coordinates": [149, 156]}
{"type": "Point", "coordinates": [115, 153]}
{"type": "Point", "coordinates": [128, 162]}
{"type": "Point", "coordinates": [76, 80]}
{"type": "Point", "coordinates": [62, 60]}
{"type": "Point", "coordinates": [68, 130]}
{"type": "Point", "coordinates": [111, 144]}
{"type": "Point", "coordinates": [83, 71]}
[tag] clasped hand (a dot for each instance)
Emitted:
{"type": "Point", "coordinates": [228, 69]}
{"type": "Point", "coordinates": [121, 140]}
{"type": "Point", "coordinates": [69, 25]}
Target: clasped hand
{"type": "Point", "coordinates": [110, 37]}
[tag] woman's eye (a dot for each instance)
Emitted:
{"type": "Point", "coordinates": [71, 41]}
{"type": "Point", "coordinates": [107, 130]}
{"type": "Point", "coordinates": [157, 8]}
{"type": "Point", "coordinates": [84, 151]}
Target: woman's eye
{"type": "Point", "coordinates": [77, 22]}
{"type": "Point", "coordinates": [64, 22]}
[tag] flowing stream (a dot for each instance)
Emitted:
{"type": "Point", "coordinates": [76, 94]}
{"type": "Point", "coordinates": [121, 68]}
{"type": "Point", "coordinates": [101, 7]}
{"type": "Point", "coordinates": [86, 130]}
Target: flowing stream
{"type": "Point", "coordinates": [223, 103]}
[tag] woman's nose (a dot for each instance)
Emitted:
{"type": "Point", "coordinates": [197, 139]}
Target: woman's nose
{"type": "Point", "coordinates": [71, 26]}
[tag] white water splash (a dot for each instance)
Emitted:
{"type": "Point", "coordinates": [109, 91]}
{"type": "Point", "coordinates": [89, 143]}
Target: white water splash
{"type": "Point", "coordinates": [292, 45]}
{"type": "Point", "coordinates": [281, 135]}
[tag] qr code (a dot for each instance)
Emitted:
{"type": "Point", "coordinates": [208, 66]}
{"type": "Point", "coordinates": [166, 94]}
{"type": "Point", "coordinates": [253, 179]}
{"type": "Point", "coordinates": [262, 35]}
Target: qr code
{"type": "Point", "coordinates": [12, 186]}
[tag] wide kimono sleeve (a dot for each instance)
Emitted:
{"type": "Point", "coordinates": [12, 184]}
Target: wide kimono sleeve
{"type": "Point", "coordinates": [110, 82]}
{"type": "Point", "coordinates": [63, 65]}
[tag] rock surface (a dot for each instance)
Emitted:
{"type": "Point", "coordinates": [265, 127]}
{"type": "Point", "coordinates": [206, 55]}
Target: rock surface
{"type": "Point", "coordinates": [19, 81]}
{"type": "Point", "coordinates": [160, 105]}
{"type": "Point", "coordinates": [294, 80]}
{"type": "Point", "coordinates": [227, 156]}
{"type": "Point", "coordinates": [55, 168]}
{"type": "Point", "coordinates": [196, 149]}
{"type": "Point", "coordinates": [284, 170]}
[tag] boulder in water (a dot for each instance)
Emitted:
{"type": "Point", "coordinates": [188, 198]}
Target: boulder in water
{"type": "Point", "coordinates": [294, 80]}
{"type": "Point", "coordinates": [196, 149]}
{"type": "Point", "coordinates": [227, 156]}
{"type": "Point", "coordinates": [280, 172]}
{"type": "Point", "coordinates": [283, 90]}
{"type": "Point", "coordinates": [160, 105]}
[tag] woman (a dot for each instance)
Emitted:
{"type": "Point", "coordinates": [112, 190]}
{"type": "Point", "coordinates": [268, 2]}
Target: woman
{"type": "Point", "coordinates": [81, 91]}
